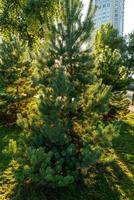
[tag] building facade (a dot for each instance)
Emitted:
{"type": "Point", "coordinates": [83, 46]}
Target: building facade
{"type": "Point", "coordinates": [110, 11]}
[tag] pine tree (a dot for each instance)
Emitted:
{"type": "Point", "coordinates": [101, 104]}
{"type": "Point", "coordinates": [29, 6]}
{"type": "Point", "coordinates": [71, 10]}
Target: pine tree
{"type": "Point", "coordinates": [110, 67]}
{"type": "Point", "coordinates": [15, 84]}
{"type": "Point", "coordinates": [65, 137]}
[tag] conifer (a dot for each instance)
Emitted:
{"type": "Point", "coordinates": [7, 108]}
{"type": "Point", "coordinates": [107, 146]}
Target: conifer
{"type": "Point", "coordinates": [68, 132]}
{"type": "Point", "coordinates": [15, 84]}
{"type": "Point", "coordinates": [110, 66]}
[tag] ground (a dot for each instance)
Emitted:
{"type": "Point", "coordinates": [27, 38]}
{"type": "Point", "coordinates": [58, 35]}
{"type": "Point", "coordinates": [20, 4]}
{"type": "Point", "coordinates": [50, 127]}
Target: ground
{"type": "Point", "coordinates": [111, 180]}
{"type": "Point", "coordinates": [131, 107]}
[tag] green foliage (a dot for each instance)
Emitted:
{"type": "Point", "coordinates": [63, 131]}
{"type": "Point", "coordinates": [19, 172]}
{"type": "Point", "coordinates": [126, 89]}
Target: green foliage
{"type": "Point", "coordinates": [109, 67]}
{"type": "Point", "coordinates": [27, 18]}
{"type": "Point", "coordinates": [15, 84]}
{"type": "Point", "coordinates": [109, 36]}
{"type": "Point", "coordinates": [130, 49]}
{"type": "Point", "coordinates": [108, 180]}
{"type": "Point", "coordinates": [119, 104]}
{"type": "Point", "coordinates": [12, 149]}
{"type": "Point", "coordinates": [60, 139]}
{"type": "Point", "coordinates": [109, 62]}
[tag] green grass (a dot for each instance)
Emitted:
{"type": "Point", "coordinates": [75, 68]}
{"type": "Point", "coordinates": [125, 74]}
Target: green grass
{"type": "Point", "coordinates": [113, 180]}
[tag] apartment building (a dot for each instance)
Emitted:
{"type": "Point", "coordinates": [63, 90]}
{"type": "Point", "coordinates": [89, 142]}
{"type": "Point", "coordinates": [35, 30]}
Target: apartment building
{"type": "Point", "coordinates": [111, 11]}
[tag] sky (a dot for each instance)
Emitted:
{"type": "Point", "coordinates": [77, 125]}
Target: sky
{"type": "Point", "coordinates": [129, 15]}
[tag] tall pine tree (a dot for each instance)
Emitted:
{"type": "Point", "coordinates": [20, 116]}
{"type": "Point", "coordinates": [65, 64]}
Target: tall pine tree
{"type": "Point", "coordinates": [65, 137]}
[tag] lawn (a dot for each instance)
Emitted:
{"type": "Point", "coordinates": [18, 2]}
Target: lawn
{"type": "Point", "coordinates": [111, 180]}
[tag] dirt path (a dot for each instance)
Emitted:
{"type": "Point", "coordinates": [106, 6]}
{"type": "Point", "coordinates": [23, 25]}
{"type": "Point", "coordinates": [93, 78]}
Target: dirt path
{"type": "Point", "coordinates": [130, 93]}
{"type": "Point", "coordinates": [131, 108]}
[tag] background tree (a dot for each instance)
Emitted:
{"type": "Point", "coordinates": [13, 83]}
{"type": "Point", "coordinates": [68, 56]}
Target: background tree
{"type": "Point", "coordinates": [66, 136]}
{"type": "Point", "coordinates": [27, 18]}
{"type": "Point", "coordinates": [15, 84]}
{"type": "Point", "coordinates": [130, 49]}
{"type": "Point", "coordinates": [26, 21]}
{"type": "Point", "coordinates": [110, 67]}
{"type": "Point", "coordinates": [109, 36]}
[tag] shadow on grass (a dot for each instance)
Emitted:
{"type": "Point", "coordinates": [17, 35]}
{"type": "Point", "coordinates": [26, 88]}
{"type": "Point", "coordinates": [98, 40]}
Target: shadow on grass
{"type": "Point", "coordinates": [109, 181]}
{"type": "Point", "coordinates": [124, 167]}
{"type": "Point", "coordinates": [124, 146]}
{"type": "Point", "coordinates": [100, 184]}
{"type": "Point", "coordinates": [105, 181]}
{"type": "Point", "coordinates": [81, 191]}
